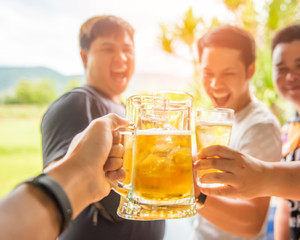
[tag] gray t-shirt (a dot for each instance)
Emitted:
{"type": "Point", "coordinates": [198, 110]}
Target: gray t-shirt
{"type": "Point", "coordinates": [66, 117]}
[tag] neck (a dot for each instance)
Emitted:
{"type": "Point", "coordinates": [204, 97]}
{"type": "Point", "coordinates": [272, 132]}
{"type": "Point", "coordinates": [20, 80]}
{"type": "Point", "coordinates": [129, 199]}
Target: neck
{"type": "Point", "coordinates": [244, 103]}
{"type": "Point", "coordinates": [116, 99]}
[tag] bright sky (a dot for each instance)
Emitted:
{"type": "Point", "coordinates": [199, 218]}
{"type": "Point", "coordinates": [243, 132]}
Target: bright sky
{"type": "Point", "coordinates": [45, 32]}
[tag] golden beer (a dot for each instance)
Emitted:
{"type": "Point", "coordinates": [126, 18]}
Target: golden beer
{"type": "Point", "coordinates": [162, 165]}
{"type": "Point", "coordinates": [211, 133]}
{"type": "Point", "coordinates": [127, 158]}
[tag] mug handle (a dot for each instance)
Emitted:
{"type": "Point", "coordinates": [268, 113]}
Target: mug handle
{"type": "Point", "coordinates": [118, 187]}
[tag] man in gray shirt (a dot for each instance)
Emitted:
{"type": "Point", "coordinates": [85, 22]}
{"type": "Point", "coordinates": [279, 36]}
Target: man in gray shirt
{"type": "Point", "coordinates": [107, 52]}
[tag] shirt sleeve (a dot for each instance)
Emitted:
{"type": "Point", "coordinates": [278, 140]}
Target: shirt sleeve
{"type": "Point", "coordinates": [262, 141]}
{"type": "Point", "coordinates": [65, 118]}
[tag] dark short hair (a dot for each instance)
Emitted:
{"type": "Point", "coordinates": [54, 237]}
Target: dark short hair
{"type": "Point", "coordinates": [103, 26]}
{"type": "Point", "coordinates": [229, 37]}
{"type": "Point", "coordinates": [286, 35]}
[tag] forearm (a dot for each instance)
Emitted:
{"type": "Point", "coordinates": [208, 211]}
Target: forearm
{"type": "Point", "coordinates": [281, 220]}
{"type": "Point", "coordinates": [282, 180]}
{"type": "Point", "coordinates": [32, 212]}
{"type": "Point", "coordinates": [240, 217]}
{"type": "Point", "coordinates": [36, 214]}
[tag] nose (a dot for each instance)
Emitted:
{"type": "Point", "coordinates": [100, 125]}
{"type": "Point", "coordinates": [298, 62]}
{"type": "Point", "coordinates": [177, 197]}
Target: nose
{"type": "Point", "coordinates": [121, 57]}
{"type": "Point", "coordinates": [292, 76]}
{"type": "Point", "coordinates": [215, 82]}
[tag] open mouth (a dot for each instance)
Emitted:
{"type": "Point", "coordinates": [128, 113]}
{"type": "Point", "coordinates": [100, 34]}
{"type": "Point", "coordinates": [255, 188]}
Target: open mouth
{"type": "Point", "coordinates": [119, 74]}
{"type": "Point", "coordinates": [221, 99]}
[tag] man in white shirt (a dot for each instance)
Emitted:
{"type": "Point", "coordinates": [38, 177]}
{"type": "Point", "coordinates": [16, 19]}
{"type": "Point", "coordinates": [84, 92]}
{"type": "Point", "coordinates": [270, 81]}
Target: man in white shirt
{"type": "Point", "coordinates": [227, 61]}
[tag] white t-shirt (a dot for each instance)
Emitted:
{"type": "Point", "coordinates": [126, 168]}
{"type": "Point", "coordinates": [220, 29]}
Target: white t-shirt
{"type": "Point", "coordinates": [256, 132]}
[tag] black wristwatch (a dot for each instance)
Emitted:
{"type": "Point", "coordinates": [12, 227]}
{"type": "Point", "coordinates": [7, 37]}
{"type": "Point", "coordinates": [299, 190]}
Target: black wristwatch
{"type": "Point", "coordinates": [53, 189]}
{"type": "Point", "coordinates": [201, 199]}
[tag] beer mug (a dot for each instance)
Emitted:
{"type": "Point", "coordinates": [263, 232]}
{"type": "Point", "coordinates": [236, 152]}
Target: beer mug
{"type": "Point", "coordinates": [212, 127]}
{"type": "Point", "coordinates": [133, 105]}
{"type": "Point", "coordinates": [162, 176]}
{"type": "Point", "coordinates": [179, 98]}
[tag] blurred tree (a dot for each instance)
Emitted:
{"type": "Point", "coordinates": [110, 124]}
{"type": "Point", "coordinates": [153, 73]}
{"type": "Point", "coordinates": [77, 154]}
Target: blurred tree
{"type": "Point", "coordinates": [281, 13]}
{"type": "Point", "coordinates": [185, 33]}
{"type": "Point", "coordinates": [40, 93]}
{"type": "Point", "coordinates": [233, 5]}
{"type": "Point", "coordinates": [261, 23]}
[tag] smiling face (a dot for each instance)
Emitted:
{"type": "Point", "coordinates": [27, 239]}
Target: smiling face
{"type": "Point", "coordinates": [286, 70]}
{"type": "Point", "coordinates": [225, 77]}
{"type": "Point", "coordinates": [109, 64]}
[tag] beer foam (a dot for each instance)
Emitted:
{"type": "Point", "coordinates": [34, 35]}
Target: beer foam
{"type": "Point", "coordinates": [213, 123]}
{"type": "Point", "coordinates": [162, 132]}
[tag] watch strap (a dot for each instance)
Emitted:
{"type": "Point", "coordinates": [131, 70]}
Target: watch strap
{"type": "Point", "coordinates": [54, 190]}
{"type": "Point", "coordinates": [201, 198]}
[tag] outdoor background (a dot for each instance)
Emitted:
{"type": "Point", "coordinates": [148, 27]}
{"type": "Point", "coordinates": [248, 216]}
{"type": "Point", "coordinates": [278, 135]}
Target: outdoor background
{"type": "Point", "coordinates": [39, 60]}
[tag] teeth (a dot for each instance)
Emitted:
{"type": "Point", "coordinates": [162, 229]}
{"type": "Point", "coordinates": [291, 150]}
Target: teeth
{"type": "Point", "coordinates": [220, 95]}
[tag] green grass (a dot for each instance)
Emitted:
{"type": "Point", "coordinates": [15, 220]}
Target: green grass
{"type": "Point", "coordinates": [20, 144]}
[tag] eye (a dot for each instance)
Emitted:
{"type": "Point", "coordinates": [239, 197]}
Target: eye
{"type": "Point", "coordinates": [108, 49]}
{"type": "Point", "coordinates": [282, 70]}
{"type": "Point", "coordinates": [129, 50]}
{"type": "Point", "coordinates": [207, 74]}
{"type": "Point", "coordinates": [229, 74]}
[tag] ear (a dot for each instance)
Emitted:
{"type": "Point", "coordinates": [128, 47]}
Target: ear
{"type": "Point", "coordinates": [250, 70]}
{"type": "Point", "coordinates": [84, 57]}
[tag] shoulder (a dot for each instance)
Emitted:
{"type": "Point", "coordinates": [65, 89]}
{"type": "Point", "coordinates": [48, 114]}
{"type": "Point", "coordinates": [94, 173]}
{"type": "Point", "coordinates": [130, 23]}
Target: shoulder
{"type": "Point", "coordinates": [69, 103]}
{"type": "Point", "coordinates": [259, 113]}
{"type": "Point", "coordinates": [79, 101]}
{"type": "Point", "coordinates": [258, 118]}
{"type": "Point", "coordinates": [263, 141]}
{"type": "Point", "coordinates": [258, 133]}
{"type": "Point", "coordinates": [255, 116]}
{"type": "Point", "coordinates": [104, 104]}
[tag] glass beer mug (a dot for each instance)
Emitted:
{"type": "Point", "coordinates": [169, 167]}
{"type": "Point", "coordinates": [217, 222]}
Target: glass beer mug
{"type": "Point", "coordinates": [133, 105]}
{"type": "Point", "coordinates": [212, 127]}
{"type": "Point", "coordinates": [176, 98]}
{"type": "Point", "coordinates": [161, 183]}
